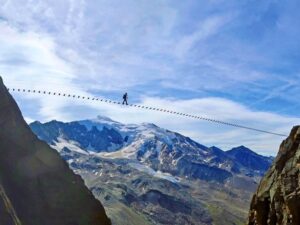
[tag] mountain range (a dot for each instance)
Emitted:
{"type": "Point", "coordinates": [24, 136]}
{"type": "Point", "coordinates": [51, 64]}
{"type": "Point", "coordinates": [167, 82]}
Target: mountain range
{"type": "Point", "coordinates": [144, 174]}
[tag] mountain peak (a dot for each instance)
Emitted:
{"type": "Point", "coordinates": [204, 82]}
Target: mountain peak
{"type": "Point", "coordinates": [249, 158]}
{"type": "Point", "coordinates": [100, 118]}
{"type": "Point", "coordinates": [241, 150]}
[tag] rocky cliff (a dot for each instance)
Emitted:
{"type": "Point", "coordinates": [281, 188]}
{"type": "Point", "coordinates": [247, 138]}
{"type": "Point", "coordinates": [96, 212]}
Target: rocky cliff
{"type": "Point", "coordinates": [277, 200]}
{"type": "Point", "coordinates": [36, 185]}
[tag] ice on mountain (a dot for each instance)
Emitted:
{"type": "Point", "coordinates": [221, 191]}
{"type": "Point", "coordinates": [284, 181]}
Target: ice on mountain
{"type": "Point", "coordinates": [158, 174]}
{"type": "Point", "coordinates": [72, 145]}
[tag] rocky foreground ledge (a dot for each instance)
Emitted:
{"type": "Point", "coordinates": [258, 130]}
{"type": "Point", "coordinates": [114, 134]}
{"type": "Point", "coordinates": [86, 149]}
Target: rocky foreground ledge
{"type": "Point", "coordinates": [277, 200]}
{"type": "Point", "coordinates": [36, 186]}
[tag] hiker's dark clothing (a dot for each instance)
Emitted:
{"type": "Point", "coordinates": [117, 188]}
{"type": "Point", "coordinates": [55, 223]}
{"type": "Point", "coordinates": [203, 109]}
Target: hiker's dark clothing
{"type": "Point", "coordinates": [125, 98]}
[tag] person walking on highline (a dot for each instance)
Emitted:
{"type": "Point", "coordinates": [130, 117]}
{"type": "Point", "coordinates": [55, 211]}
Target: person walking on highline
{"type": "Point", "coordinates": [125, 98]}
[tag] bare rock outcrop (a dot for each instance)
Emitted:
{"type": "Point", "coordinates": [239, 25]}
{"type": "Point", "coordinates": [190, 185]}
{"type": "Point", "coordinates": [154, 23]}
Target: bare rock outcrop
{"type": "Point", "coordinates": [277, 199]}
{"type": "Point", "coordinates": [36, 185]}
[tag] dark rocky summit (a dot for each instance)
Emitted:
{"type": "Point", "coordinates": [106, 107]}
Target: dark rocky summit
{"type": "Point", "coordinates": [36, 185]}
{"type": "Point", "coordinates": [250, 159]}
{"type": "Point", "coordinates": [277, 200]}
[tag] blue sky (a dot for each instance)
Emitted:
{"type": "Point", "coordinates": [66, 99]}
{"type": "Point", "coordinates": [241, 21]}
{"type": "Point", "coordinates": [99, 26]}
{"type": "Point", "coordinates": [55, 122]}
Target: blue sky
{"type": "Point", "coordinates": [232, 60]}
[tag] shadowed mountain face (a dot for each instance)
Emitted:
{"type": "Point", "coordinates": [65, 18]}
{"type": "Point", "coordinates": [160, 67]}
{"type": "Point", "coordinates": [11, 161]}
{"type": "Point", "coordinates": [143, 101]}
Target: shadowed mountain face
{"type": "Point", "coordinates": [277, 199]}
{"type": "Point", "coordinates": [36, 185]}
{"type": "Point", "coordinates": [250, 159]}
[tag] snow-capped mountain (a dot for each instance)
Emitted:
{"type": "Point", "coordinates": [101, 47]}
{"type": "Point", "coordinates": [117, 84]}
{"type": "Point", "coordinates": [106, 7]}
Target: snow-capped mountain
{"type": "Point", "coordinates": [152, 175]}
{"type": "Point", "coordinates": [147, 146]}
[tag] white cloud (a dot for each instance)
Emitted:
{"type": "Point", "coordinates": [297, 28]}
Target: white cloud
{"type": "Point", "coordinates": [204, 132]}
{"type": "Point", "coordinates": [108, 46]}
{"type": "Point", "coordinates": [29, 58]}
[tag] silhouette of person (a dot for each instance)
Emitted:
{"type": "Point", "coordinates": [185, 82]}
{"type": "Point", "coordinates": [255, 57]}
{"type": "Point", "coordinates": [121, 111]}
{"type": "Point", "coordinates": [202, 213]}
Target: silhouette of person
{"type": "Point", "coordinates": [125, 98]}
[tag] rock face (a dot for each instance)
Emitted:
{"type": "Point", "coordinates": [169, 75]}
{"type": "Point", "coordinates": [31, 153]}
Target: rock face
{"type": "Point", "coordinates": [277, 200]}
{"type": "Point", "coordinates": [36, 185]}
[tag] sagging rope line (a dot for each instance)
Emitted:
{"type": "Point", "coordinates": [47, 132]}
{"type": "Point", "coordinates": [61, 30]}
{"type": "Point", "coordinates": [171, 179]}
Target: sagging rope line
{"type": "Point", "coordinates": [145, 107]}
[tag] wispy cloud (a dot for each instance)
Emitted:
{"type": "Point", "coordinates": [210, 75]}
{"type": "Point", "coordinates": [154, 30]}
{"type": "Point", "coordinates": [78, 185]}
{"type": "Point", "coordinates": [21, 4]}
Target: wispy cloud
{"type": "Point", "coordinates": [206, 29]}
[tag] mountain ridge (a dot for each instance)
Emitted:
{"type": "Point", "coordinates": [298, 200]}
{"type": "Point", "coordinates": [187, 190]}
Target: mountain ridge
{"type": "Point", "coordinates": [113, 123]}
{"type": "Point", "coordinates": [150, 167]}
{"type": "Point", "coordinates": [158, 149]}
